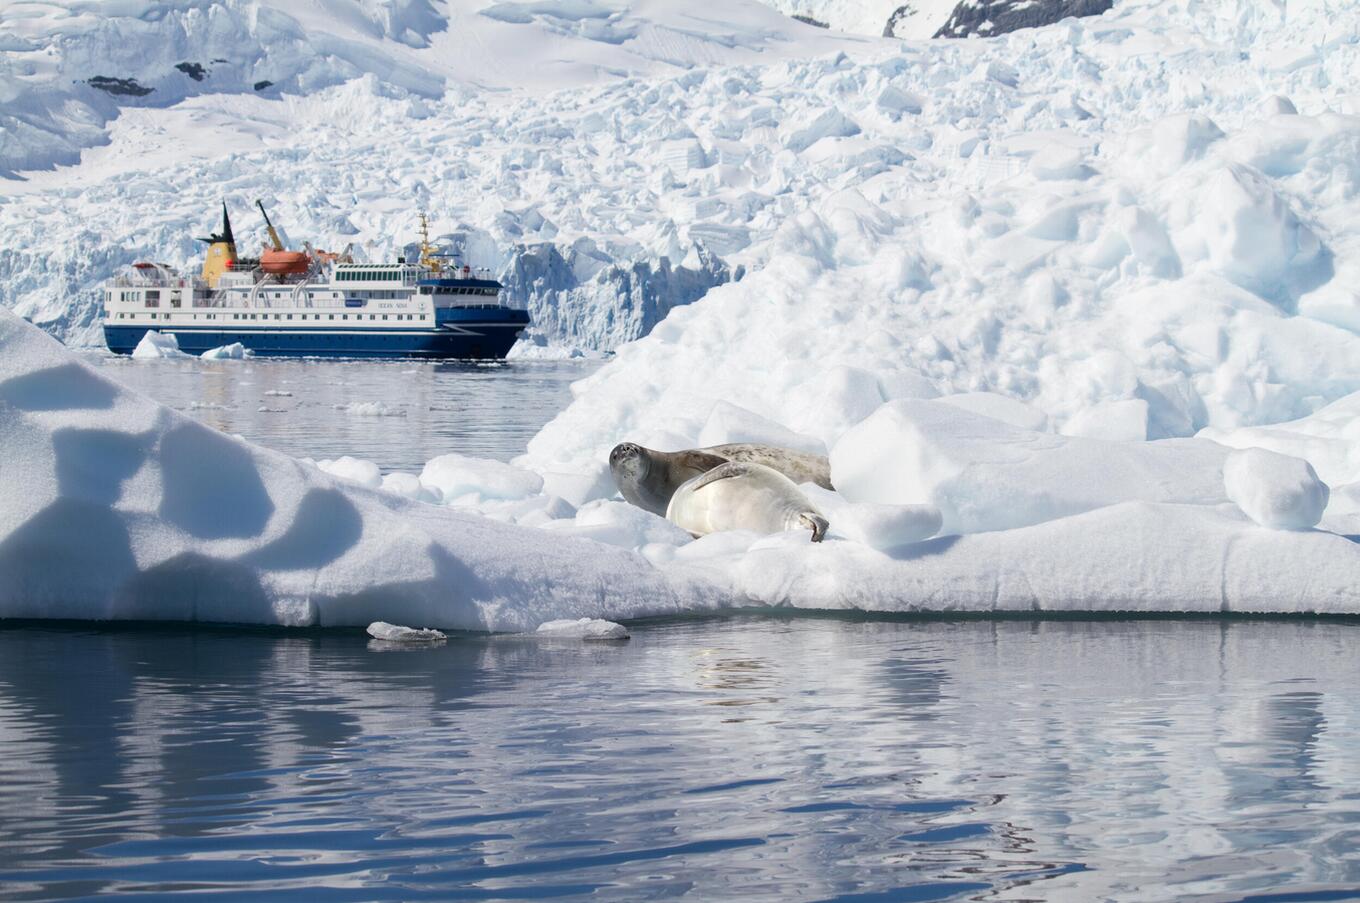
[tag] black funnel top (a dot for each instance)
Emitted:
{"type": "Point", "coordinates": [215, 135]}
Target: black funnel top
{"type": "Point", "coordinates": [226, 230]}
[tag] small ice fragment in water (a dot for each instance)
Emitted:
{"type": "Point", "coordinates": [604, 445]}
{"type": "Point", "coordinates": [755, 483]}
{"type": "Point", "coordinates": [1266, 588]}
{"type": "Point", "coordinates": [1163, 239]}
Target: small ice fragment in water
{"type": "Point", "coordinates": [583, 629]}
{"type": "Point", "coordinates": [395, 633]}
{"type": "Point", "coordinates": [369, 409]}
{"type": "Point", "coordinates": [233, 352]}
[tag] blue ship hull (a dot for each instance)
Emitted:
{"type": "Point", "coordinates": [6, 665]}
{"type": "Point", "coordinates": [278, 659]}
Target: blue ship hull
{"type": "Point", "coordinates": [473, 339]}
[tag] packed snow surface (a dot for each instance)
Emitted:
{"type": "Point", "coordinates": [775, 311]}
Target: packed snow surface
{"type": "Point", "coordinates": [1138, 226]}
{"type": "Point", "coordinates": [983, 474]}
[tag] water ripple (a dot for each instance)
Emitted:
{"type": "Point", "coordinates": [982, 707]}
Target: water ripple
{"type": "Point", "coordinates": [893, 760]}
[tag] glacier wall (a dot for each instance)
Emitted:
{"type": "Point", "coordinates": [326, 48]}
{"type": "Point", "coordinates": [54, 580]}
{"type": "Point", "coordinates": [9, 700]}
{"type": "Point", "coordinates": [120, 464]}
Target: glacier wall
{"type": "Point", "coordinates": [634, 181]}
{"type": "Point", "coordinates": [70, 68]}
{"type": "Point", "coordinates": [585, 299]}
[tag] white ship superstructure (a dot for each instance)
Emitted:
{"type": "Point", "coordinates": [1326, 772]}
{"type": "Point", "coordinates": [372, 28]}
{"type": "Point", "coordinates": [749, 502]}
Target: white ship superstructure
{"type": "Point", "coordinates": [314, 303]}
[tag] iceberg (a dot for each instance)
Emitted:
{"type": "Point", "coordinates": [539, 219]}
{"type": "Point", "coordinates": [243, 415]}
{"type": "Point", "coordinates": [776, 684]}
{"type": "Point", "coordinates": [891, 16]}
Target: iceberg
{"type": "Point", "coordinates": [155, 345]}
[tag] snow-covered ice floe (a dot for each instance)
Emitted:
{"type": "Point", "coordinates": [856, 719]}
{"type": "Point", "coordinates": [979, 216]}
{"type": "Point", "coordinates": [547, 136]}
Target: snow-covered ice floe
{"type": "Point", "coordinates": [582, 629]}
{"type": "Point", "coordinates": [117, 507]}
{"type": "Point", "coordinates": [397, 633]}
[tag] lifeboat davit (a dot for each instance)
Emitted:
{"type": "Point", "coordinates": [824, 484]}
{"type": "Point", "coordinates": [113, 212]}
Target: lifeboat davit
{"type": "Point", "coordinates": [284, 263]}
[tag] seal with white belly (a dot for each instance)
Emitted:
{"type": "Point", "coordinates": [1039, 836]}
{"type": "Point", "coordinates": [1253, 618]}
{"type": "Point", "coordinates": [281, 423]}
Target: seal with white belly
{"type": "Point", "coordinates": [743, 496]}
{"type": "Point", "coordinates": [648, 478]}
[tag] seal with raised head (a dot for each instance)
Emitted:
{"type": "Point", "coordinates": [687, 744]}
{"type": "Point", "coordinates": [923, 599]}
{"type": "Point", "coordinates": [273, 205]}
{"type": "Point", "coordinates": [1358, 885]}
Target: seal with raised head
{"type": "Point", "coordinates": [743, 496]}
{"type": "Point", "coordinates": [648, 478]}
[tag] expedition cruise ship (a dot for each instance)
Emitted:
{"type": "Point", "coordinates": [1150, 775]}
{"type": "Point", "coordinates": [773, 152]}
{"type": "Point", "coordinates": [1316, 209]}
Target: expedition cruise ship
{"type": "Point", "coordinates": [314, 303]}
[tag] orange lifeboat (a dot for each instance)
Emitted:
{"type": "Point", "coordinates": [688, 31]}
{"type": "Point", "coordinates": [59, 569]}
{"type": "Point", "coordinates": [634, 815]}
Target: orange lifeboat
{"type": "Point", "coordinates": [284, 263]}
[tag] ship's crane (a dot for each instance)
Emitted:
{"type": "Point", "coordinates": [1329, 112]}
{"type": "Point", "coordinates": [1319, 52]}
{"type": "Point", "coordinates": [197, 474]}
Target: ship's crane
{"type": "Point", "coordinates": [273, 236]}
{"type": "Point", "coordinates": [276, 260]}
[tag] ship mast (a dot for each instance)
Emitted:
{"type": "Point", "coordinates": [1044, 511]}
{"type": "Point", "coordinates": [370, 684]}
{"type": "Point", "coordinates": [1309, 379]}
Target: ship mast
{"type": "Point", "coordinates": [427, 254]}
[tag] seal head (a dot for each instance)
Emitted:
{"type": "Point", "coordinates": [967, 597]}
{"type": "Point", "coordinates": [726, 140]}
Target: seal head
{"type": "Point", "coordinates": [648, 478]}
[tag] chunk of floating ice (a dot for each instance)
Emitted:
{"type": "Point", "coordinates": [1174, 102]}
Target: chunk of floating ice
{"type": "Point", "coordinates": [406, 484]}
{"type": "Point", "coordinates": [1275, 490]}
{"type": "Point", "coordinates": [156, 345]}
{"type": "Point", "coordinates": [370, 409]}
{"type": "Point", "coordinates": [356, 470]}
{"type": "Point", "coordinates": [395, 633]}
{"type": "Point", "coordinates": [582, 629]}
{"type": "Point", "coordinates": [233, 352]}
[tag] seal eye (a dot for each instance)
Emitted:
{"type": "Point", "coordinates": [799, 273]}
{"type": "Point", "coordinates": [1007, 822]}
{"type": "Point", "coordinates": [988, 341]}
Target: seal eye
{"type": "Point", "coordinates": [623, 450]}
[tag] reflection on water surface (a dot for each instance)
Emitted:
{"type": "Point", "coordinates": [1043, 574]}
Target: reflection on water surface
{"type": "Point", "coordinates": [751, 757]}
{"type": "Point", "coordinates": [397, 414]}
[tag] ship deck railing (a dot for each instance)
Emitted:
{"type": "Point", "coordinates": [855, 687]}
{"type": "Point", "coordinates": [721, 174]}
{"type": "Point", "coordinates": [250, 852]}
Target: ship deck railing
{"type": "Point", "coordinates": [149, 282]}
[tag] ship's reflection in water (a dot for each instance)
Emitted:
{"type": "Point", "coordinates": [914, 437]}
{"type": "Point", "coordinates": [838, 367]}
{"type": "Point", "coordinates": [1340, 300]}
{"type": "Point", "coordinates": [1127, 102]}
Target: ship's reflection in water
{"type": "Point", "coordinates": [736, 758]}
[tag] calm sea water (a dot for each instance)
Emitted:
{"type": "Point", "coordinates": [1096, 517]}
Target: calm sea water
{"type": "Point", "coordinates": [770, 756]}
{"type": "Point", "coordinates": [721, 759]}
{"type": "Point", "coordinates": [398, 414]}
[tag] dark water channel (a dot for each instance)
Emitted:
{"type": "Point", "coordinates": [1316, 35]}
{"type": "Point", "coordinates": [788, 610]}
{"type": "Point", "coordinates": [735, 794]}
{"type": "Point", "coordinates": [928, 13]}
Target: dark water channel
{"type": "Point", "coordinates": [747, 757]}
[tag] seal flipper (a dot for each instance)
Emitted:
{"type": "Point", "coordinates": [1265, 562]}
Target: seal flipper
{"type": "Point", "coordinates": [816, 523]}
{"type": "Point", "coordinates": [697, 461]}
{"type": "Point", "coordinates": [725, 471]}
